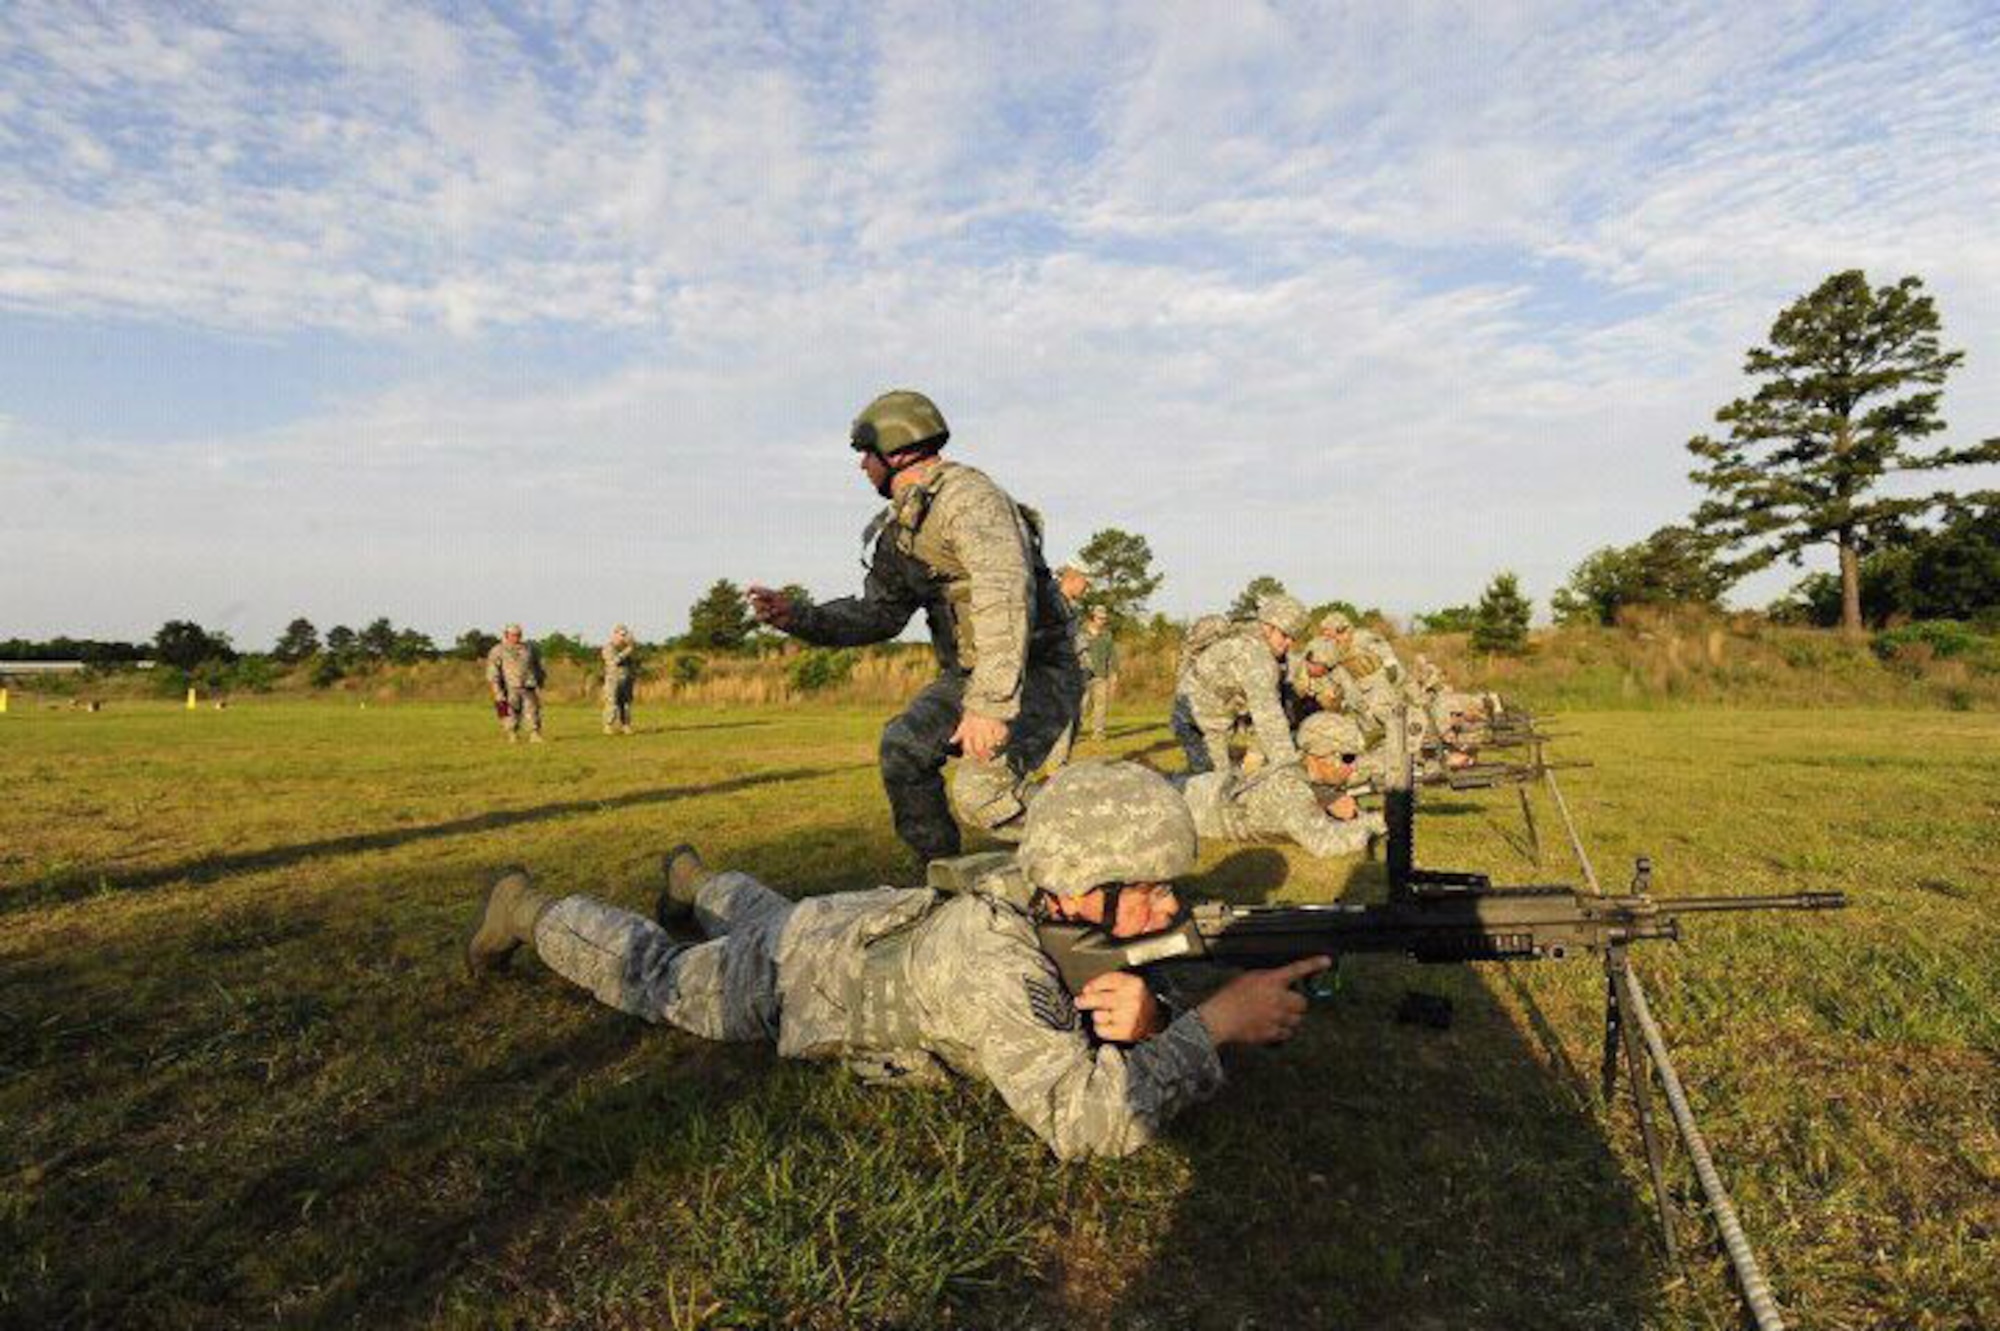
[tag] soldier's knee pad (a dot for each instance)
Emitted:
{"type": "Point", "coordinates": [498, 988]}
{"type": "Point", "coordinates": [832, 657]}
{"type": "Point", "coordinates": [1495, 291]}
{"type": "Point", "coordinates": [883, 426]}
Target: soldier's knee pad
{"type": "Point", "coordinates": [987, 795]}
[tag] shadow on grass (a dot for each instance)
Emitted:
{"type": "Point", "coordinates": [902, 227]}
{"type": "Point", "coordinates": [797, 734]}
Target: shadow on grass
{"type": "Point", "coordinates": [1384, 1175]}
{"type": "Point", "coordinates": [77, 883]}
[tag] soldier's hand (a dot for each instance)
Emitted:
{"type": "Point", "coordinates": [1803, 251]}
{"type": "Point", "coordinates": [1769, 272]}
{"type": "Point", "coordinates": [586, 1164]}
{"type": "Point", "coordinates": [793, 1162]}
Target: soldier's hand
{"type": "Point", "coordinates": [770, 607]}
{"type": "Point", "coordinates": [979, 736]}
{"type": "Point", "coordinates": [1122, 1009]}
{"type": "Point", "coordinates": [1260, 1007]}
{"type": "Point", "coordinates": [1343, 807]}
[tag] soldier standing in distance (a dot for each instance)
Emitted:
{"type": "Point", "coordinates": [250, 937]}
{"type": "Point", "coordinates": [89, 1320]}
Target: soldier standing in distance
{"type": "Point", "coordinates": [1230, 669]}
{"type": "Point", "coordinates": [514, 671]}
{"type": "Point", "coordinates": [906, 985]}
{"type": "Point", "coordinates": [954, 545]}
{"type": "Point", "coordinates": [621, 674]}
{"type": "Point", "coordinates": [1100, 653]}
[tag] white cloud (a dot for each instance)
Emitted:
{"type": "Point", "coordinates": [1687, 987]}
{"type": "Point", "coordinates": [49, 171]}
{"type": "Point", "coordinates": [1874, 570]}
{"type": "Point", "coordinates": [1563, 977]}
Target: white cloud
{"type": "Point", "coordinates": [1402, 295]}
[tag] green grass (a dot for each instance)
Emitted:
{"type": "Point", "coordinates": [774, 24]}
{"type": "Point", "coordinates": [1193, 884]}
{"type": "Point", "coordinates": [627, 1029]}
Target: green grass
{"type": "Point", "coordinates": [242, 1081]}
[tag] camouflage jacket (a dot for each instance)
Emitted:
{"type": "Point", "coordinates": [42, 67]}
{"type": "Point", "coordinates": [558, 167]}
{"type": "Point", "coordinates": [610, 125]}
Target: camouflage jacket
{"type": "Point", "coordinates": [898, 980]}
{"type": "Point", "coordinates": [1279, 803]}
{"type": "Point", "coordinates": [1366, 681]}
{"type": "Point", "coordinates": [514, 666]}
{"type": "Point", "coordinates": [1231, 677]}
{"type": "Point", "coordinates": [964, 553]}
{"type": "Point", "coordinates": [621, 660]}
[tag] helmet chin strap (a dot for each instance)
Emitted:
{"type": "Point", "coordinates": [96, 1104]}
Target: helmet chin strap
{"type": "Point", "coordinates": [901, 461]}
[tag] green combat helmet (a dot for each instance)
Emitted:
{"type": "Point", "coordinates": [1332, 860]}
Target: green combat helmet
{"type": "Point", "coordinates": [1284, 613]}
{"type": "Point", "coordinates": [1329, 735]}
{"type": "Point", "coordinates": [1103, 823]}
{"type": "Point", "coordinates": [898, 420]}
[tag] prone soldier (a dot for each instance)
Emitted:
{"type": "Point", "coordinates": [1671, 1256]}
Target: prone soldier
{"type": "Point", "coordinates": [1281, 801]}
{"type": "Point", "coordinates": [514, 673]}
{"type": "Point", "coordinates": [953, 544]}
{"type": "Point", "coordinates": [621, 676]}
{"type": "Point", "coordinates": [907, 985]}
{"type": "Point", "coordinates": [1229, 669]}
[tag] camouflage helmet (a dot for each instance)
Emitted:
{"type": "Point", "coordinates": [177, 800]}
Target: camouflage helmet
{"type": "Point", "coordinates": [1327, 734]}
{"type": "Point", "coordinates": [1101, 823]}
{"type": "Point", "coordinates": [1335, 622]}
{"type": "Point", "coordinates": [1283, 613]}
{"type": "Point", "coordinates": [1324, 652]}
{"type": "Point", "coordinates": [898, 420]}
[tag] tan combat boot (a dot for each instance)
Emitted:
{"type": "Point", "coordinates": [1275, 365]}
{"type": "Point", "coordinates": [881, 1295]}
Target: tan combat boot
{"type": "Point", "coordinates": [506, 921]}
{"type": "Point", "coordinates": [685, 872]}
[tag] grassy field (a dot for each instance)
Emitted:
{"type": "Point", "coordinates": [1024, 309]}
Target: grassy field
{"type": "Point", "coordinates": [243, 1082]}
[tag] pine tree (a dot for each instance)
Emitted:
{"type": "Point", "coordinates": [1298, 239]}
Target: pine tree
{"type": "Point", "coordinates": [1259, 587]}
{"type": "Point", "coordinates": [1120, 565]}
{"type": "Point", "coordinates": [720, 619]}
{"type": "Point", "coordinates": [1832, 417]}
{"type": "Point", "coordinates": [1502, 621]}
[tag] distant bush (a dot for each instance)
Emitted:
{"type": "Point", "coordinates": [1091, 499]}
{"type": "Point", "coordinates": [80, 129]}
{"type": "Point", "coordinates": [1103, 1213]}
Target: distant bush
{"type": "Point", "coordinates": [819, 668]}
{"type": "Point", "coordinates": [688, 669]}
{"type": "Point", "coordinates": [326, 671]}
{"type": "Point", "coordinates": [1945, 638]}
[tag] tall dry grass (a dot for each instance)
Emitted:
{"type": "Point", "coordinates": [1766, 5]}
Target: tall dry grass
{"type": "Point", "coordinates": [1649, 659]}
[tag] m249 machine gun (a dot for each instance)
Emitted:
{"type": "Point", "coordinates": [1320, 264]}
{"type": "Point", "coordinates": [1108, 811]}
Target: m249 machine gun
{"type": "Point", "coordinates": [1443, 916]}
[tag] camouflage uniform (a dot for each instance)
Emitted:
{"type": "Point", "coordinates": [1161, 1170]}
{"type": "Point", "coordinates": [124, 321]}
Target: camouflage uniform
{"type": "Point", "coordinates": [1362, 679]}
{"type": "Point", "coordinates": [1274, 803]}
{"type": "Point", "coordinates": [621, 675]}
{"type": "Point", "coordinates": [958, 548]}
{"type": "Point", "coordinates": [1232, 676]}
{"type": "Point", "coordinates": [902, 984]}
{"type": "Point", "coordinates": [514, 670]}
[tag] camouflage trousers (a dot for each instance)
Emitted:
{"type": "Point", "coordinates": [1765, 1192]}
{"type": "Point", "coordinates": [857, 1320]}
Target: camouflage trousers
{"type": "Point", "coordinates": [524, 707]}
{"type": "Point", "coordinates": [1097, 705]}
{"type": "Point", "coordinates": [1193, 746]}
{"type": "Point", "coordinates": [723, 989]}
{"type": "Point", "coordinates": [990, 794]}
{"type": "Point", "coordinates": [618, 700]}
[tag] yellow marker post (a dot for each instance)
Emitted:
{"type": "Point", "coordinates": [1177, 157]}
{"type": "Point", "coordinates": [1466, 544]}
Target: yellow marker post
{"type": "Point", "coordinates": [3, 700]}
{"type": "Point", "coordinates": [190, 703]}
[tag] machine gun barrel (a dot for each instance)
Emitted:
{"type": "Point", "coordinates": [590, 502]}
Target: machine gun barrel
{"type": "Point", "coordinates": [1792, 901]}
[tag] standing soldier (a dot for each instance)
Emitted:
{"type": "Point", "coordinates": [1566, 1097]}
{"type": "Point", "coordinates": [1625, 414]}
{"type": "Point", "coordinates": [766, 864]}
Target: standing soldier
{"type": "Point", "coordinates": [621, 673]}
{"type": "Point", "coordinates": [514, 670]}
{"type": "Point", "coordinates": [906, 985]}
{"type": "Point", "coordinates": [1100, 661]}
{"type": "Point", "coordinates": [1229, 669]}
{"type": "Point", "coordinates": [954, 545]}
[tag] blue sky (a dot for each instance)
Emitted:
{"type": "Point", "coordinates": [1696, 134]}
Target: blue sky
{"type": "Point", "coordinates": [558, 312]}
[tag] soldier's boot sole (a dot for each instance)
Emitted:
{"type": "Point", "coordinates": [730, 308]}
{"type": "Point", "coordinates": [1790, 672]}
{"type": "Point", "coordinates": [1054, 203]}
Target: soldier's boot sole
{"type": "Point", "coordinates": [685, 872]}
{"type": "Point", "coordinates": [506, 921]}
